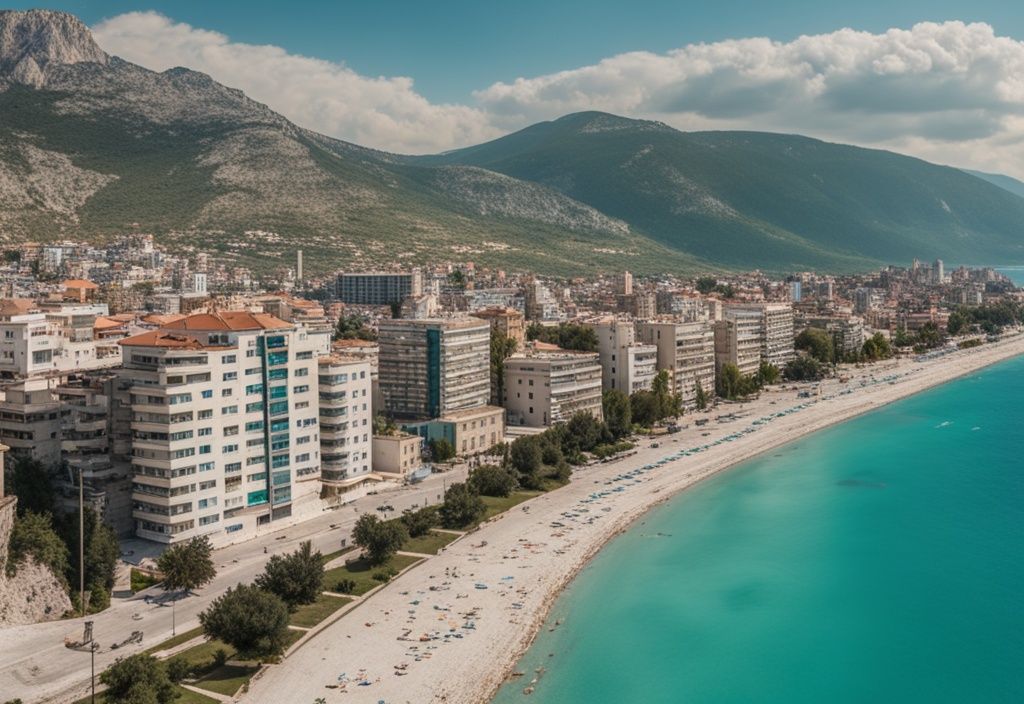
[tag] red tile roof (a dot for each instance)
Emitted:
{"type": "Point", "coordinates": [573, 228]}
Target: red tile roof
{"type": "Point", "coordinates": [228, 320]}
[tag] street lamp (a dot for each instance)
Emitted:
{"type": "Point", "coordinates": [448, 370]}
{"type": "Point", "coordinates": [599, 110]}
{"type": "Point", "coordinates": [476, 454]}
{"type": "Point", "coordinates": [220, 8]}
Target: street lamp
{"type": "Point", "coordinates": [81, 541]}
{"type": "Point", "coordinates": [174, 619]}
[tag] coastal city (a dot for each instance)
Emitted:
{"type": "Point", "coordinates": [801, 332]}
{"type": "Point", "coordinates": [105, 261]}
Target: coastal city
{"type": "Point", "coordinates": [186, 405]}
{"type": "Point", "coordinates": [511, 353]}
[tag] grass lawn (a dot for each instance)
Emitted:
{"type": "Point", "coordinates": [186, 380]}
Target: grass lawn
{"type": "Point", "coordinates": [201, 656]}
{"type": "Point", "coordinates": [176, 640]}
{"type": "Point", "coordinates": [226, 679]}
{"type": "Point", "coordinates": [500, 504]}
{"type": "Point", "coordinates": [311, 614]}
{"type": "Point", "coordinates": [428, 544]}
{"type": "Point", "coordinates": [185, 696]}
{"type": "Point", "coordinates": [360, 572]}
{"type": "Point", "coordinates": [141, 580]}
{"type": "Point", "coordinates": [338, 553]}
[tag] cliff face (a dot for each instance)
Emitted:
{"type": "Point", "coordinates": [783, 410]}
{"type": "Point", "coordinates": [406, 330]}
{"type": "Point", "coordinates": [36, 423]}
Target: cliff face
{"type": "Point", "coordinates": [34, 594]}
{"type": "Point", "coordinates": [32, 42]}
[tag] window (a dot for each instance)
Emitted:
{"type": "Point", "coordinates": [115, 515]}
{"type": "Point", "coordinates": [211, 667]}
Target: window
{"type": "Point", "coordinates": [302, 372]}
{"type": "Point", "coordinates": [230, 448]}
{"type": "Point", "coordinates": [208, 393]}
{"type": "Point", "coordinates": [203, 432]}
{"type": "Point", "coordinates": [185, 452]}
{"type": "Point", "coordinates": [179, 398]}
{"type": "Point", "coordinates": [205, 449]}
{"type": "Point", "coordinates": [253, 407]}
{"type": "Point", "coordinates": [205, 415]}
{"type": "Point", "coordinates": [254, 389]}
{"type": "Point", "coordinates": [277, 358]}
{"type": "Point", "coordinates": [304, 355]}
{"type": "Point", "coordinates": [278, 392]}
{"type": "Point", "coordinates": [276, 341]}
{"type": "Point", "coordinates": [253, 370]}
{"type": "Point", "coordinates": [254, 460]}
{"type": "Point", "coordinates": [207, 466]}
{"type": "Point", "coordinates": [278, 408]}
{"type": "Point", "coordinates": [228, 359]}
{"type": "Point", "coordinates": [278, 462]}
{"type": "Point", "coordinates": [300, 389]}
{"type": "Point", "coordinates": [230, 376]}
{"type": "Point", "coordinates": [232, 467]}
{"type": "Point", "coordinates": [228, 410]}
{"type": "Point", "coordinates": [253, 426]}
{"type": "Point", "coordinates": [256, 497]}
{"type": "Point", "coordinates": [278, 374]}
{"type": "Point", "coordinates": [254, 442]}
{"type": "Point", "coordinates": [304, 457]}
{"type": "Point", "coordinates": [226, 392]}
{"type": "Point", "coordinates": [203, 486]}
{"type": "Point", "coordinates": [230, 430]}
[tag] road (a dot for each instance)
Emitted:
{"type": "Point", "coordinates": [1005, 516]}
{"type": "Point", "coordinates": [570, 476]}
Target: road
{"type": "Point", "coordinates": [35, 665]}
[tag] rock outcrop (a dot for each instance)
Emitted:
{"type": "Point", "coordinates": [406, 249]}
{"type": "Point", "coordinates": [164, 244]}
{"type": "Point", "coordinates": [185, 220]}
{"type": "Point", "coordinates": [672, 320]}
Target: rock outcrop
{"type": "Point", "coordinates": [34, 593]}
{"type": "Point", "coordinates": [33, 42]}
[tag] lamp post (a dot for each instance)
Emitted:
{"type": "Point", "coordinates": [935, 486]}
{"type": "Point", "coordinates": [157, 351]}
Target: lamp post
{"type": "Point", "coordinates": [81, 540]}
{"type": "Point", "coordinates": [174, 619]}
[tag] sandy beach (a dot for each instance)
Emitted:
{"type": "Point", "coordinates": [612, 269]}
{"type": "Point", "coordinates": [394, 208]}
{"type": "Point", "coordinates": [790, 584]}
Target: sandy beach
{"type": "Point", "coordinates": [452, 628]}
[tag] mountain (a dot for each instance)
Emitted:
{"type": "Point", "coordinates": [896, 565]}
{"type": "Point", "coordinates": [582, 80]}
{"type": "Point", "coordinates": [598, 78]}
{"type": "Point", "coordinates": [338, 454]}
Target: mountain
{"type": "Point", "coordinates": [92, 146]}
{"type": "Point", "coordinates": [1007, 183]}
{"type": "Point", "coordinates": [746, 199]}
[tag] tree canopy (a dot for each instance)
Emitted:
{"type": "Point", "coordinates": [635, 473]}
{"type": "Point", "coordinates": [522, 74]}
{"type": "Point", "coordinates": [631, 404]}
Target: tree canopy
{"type": "Point", "coordinates": [33, 535]}
{"type": "Point", "coordinates": [187, 565]}
{"type": "Point", "coordinates": [138, 679]}
{"type": "Point", "coordinates": [249, 619]}
{"type": "Point", "coordinates": [568, 336]}
{"type": "Point", "coordinates": [296, 577]}
{"type": "Point", "coordinates": [491, 480]}
{"type": "Point", "coordinates": [380, 540]}
{"type": "Point", "coordinates": [353, 327]}
{"type": "Point", "coordinates": [618, 413]}
{"type": "Point", "coordinates": [818, 343]}
{"type": "Point", "coordinates": [462, 506]}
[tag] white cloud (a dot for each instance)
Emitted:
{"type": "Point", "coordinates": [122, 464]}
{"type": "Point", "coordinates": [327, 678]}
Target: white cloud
{"type": "Point", "coordinates": [948, 92]}
{"type": "Point", "coordinates": [383, 112]}
{"type": "Point", "coordinates": [951, 92]}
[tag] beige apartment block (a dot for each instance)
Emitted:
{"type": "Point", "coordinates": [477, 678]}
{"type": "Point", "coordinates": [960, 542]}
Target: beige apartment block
{"type": "Point", "coordinates": [544, 388]}
{"type": "Point", "coordinates": [686, 351]}
{"type": "Point", "coordinates": [397, 455]}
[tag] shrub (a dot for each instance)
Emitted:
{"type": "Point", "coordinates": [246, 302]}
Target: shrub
{"type": "Point", "coordinates": [296, 577]}
{"type": "Point", "coordinates": [249, 619]}
{"type": "Point", "coordinates": [345, 586]}
{"type": "Point", "coordinates": [178, 669]}
{"type": "Point", "coordinates": [490, 480]}
{"type": "Point", "coordinates": [420, 522]}
{"type": "Point", "coordinates": [380, 540]}
{"type": "Point", "coordinates": [461, 506]}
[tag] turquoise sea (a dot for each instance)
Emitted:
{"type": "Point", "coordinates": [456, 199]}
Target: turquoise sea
{"type": "Point", "coordinates": [1016, 274]}
{"type": "Point", "coordinates": [881, 560]}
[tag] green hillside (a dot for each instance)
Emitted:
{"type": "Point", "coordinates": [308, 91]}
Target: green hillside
{"type": "Point", "coordinates": [746, 199]}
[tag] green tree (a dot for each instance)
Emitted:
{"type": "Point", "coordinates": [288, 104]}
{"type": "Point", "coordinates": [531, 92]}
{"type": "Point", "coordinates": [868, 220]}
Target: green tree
{"type": "Point", "coordinates": [818, 343]}
{"type": "Point", "coordinates": [618, 413]}
{"type": "Point", "coordinates": [876, 347]}
{"type": "Point", "coordinates": [803, 369]}
{"type": "Point", "coordinates": [187, 565]}
{"type": "Point", "coordinates": [461, 506]}
{"type": "Point", "coordinates": [421, 521]}
{"type": "Point", "coordinates": [296, 577]}
{"type": "Point", "coordinates": [706, 284]}
{"type": "Point", "coordinates": [525, 455]}
{"type": "Point", "coordinates": [767, 373]}
{"type": "Point", "coordinates": [502, 347]}
{"type": "Point", "coordinates": [382, 425]}
{"type": "Point", "coordinates": [568, 336]}
{"type": "Point", "coordinates": [249, 619]}
{"type": "Point", "coordinates": [902, 338]}
{"type": "Point", "coordinates": [929, 335]}
{"type": "Point", "coordinates": [32, 483]}
{"type": "Point", "coordinates": [700, 397]}
{"type": "Point", "coordinates": [102, 551]}
{"type": "Point", "coordinates": [380, 540]}
{"type": "Point", "coordinates": [138, 679]}
{"type": "Point", "coordinates": [491, 480]}
{"type": "Point", "coordinates": [958, 323]}
{"type": "Point", "coordinates": [33, 535]}
{"type": "Point", "coordinates": [582, 432]}
{"type": "Point", "coordinates": [353, 327]}
{"type": "Point", "coordinates": [441, 450]}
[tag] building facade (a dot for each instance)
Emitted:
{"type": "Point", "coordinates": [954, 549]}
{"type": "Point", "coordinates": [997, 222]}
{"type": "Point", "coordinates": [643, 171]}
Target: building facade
{"type": "Point", "coordinates": [378, 288]}
{"type": "Point", "coordinates": [544, 388]}
{"type": "Point", "coordinates": [346, 426]}
{"type": "Point", "coordinates": [687, 352]}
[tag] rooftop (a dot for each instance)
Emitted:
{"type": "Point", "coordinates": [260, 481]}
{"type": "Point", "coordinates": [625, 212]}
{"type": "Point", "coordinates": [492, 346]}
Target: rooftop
{"type": "Point", "coordinates": [228, 320]}
{"type": "Point", "coordinates": [166, 340]}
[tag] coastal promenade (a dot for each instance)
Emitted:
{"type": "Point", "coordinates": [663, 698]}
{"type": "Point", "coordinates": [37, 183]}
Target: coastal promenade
{"type": "Point", "coordinates": [452, 628]}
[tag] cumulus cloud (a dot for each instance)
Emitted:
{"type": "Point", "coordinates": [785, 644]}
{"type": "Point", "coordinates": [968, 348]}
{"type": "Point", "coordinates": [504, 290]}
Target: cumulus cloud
{"type": "Point", "coordinates": [948, 92]}
{"type": "Point", "coordinates": [951, 92]}
{"type": "Point", "coordinates": [381, 112]}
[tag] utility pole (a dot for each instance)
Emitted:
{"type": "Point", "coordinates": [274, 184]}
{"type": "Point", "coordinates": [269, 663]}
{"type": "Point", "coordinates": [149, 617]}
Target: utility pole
{"type": "Point", "coordinates": [174, 619]}
{"type": "Point", "coordinates": [81, 540]}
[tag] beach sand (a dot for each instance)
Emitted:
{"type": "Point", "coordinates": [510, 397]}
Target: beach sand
{"type": "Point", "coordinates": [451, 629]}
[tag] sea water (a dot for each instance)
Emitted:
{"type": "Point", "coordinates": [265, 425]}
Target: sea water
{"type": "Point", "coordinates": [881, 560]}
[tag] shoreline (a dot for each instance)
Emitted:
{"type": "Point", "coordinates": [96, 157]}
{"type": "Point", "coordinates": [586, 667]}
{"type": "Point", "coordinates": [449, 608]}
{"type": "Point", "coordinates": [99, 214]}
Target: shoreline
{"type": "Point", "coordinates": [437, 674]}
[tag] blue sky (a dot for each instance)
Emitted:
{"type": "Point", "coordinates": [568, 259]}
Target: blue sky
{"type": "Point", "coordinates": [938, 79]}
{"type": "Point", "coordinates": [453, 47]}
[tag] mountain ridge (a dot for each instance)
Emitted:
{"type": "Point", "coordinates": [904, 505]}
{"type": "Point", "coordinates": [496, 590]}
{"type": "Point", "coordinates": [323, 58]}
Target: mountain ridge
{"type": "Point", "coordinates": [92, 146]}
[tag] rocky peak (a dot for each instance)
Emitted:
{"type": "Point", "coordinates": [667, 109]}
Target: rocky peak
{"type": "Point", "coordinates": [34, 41]}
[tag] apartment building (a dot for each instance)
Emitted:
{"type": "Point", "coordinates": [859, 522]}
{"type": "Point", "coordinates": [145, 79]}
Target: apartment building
{"type": "Point", "coordinates": [225, 416]}
{"type": "Point", "coordinates": [686, 351]}
{"type": "Point", "coordinates": [398, 455]}
{"type": "Point", "coordinates": [346, 427]}
{"type": "Point", "coordinates": [626, 364]}
{"type": "Point", "coordinates": [470, 431]}
{"type": "Point", "coordinates": [370, 352]}
{"type": "Point", "coordinates": [430, 368]}
{"type": "Point", "coordinates": [738, 339]}
{"type": "Point", "coordinates": [775, 332]}
{"type": "Point", "coordinates": [507, 321]}
{"type": "Point", "coordinates": [546, 387]}
{"type": "Point", "coordinates": [378, 288]}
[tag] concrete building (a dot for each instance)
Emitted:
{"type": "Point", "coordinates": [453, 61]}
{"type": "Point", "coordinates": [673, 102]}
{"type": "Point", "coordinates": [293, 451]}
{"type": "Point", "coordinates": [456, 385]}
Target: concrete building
{"type": "Point", "coordinates": [398, 455]}
{"type": "Point", "coordinates": [776, 334]}
{"type": "Point", "coordinates": [346, 427]}
{"type": "Point", "coordinates": [544, 388]}
{"type": "Point", "coordinates": [738, 340]}
{"type": "Point", "coordinates": [225, 435]}
{"type": "Point", "coordinates": [470, 431]}
{"type": "Point", "coordinates": [626, 364]}
{"type": "Point", "coordinates": [429, 368]}
{"type": "Point", "coordinates": [507, 321]}
{"type": "Point", "coordinates": [687, 352]}
{"type": "Point", "coordinates": [378, 288]}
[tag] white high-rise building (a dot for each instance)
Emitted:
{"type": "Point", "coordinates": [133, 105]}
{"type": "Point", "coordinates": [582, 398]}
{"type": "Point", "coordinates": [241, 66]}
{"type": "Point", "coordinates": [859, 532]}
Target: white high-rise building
{"type": "Point", "coordinates": [627, 365]}
{"type": "Point", "coordinates": [346, 426]}
{"type": "Point", "coordinates": [225, 415]}
{"type": "Point", "coordinates": [544, 388]}
{"type": "Point", "coordinates": [687, 352]}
